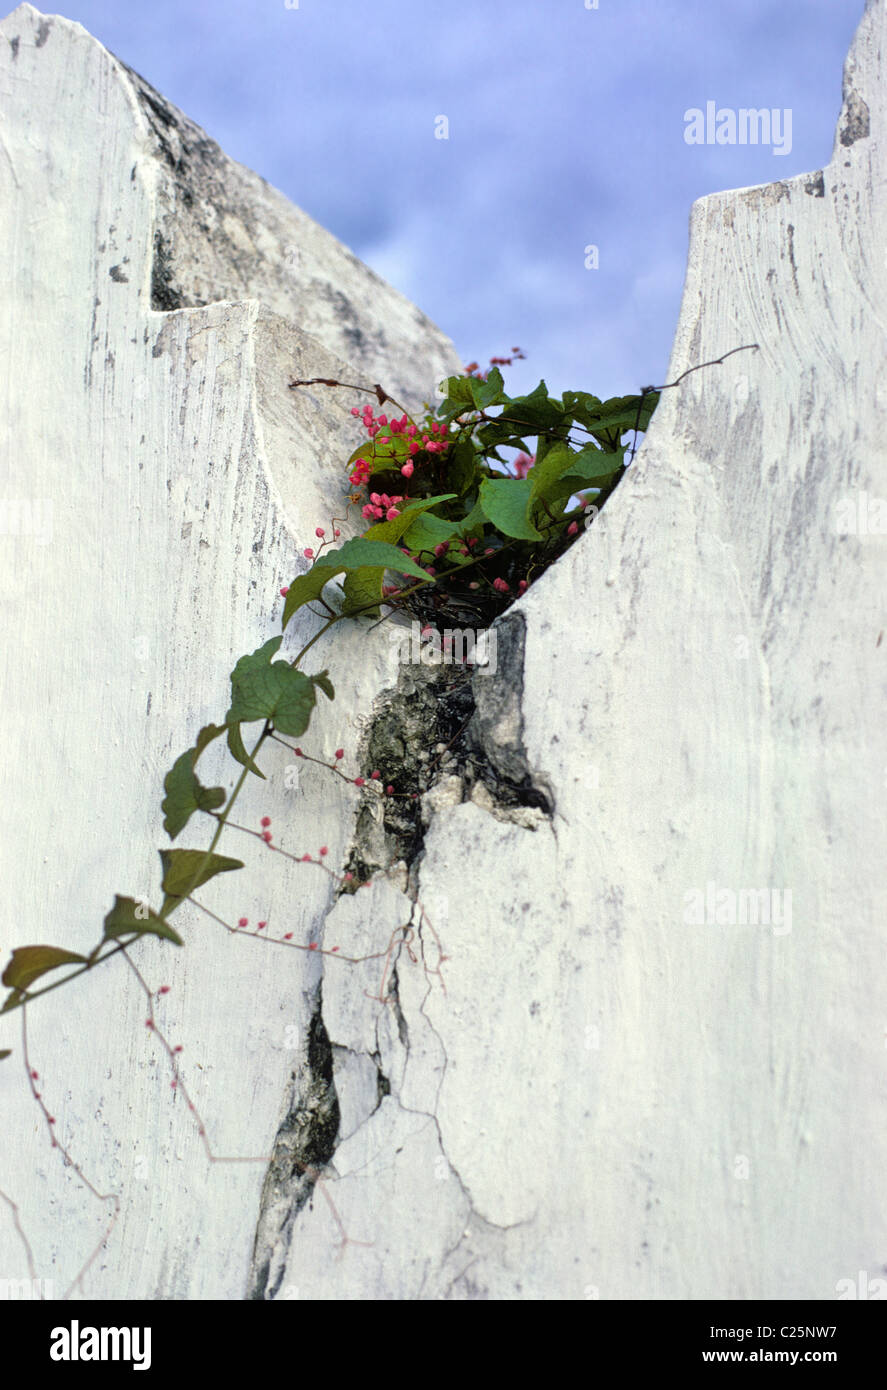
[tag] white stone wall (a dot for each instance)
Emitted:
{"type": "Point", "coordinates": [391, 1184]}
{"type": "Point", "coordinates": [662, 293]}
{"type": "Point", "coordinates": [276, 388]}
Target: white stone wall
{"type": "Point", "coordinates": [610, 1099]}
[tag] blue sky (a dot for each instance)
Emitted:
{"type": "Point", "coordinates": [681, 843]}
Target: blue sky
{"type": "Point", "coordinates": [565, 130]}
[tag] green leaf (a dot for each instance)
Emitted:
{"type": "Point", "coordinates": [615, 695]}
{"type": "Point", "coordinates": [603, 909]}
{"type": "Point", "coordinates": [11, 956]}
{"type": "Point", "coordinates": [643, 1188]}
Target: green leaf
{"type": "Point", "coordinates": [506, 504]}
{"type": "Point", "coordinates": [461, 466]}
{"type": "Point", "coordinates": [589, 462]}
{"type": "Point", "coordinates": [265, 689]}
{"type": "Point", "coordinates": [5, 1052]}
{"type": "Point", "coordinates": [187, 869]}
{"type": "Point", "coordinates": [305, 589]}
{"type": "Point", "coordinates": [474, 521]}
{"type": "Point", "coordinates": [535, 414]}
{"type": "Point", "coordinates": [323, 681]}
{"type": "Point", "coordinates": [184, 792]}
{"type": "Point", "coordinates": [490, 392]}
{"type": "Point", "coordinates": [206, 736]}
{"type": "Point", "coordinates": [255, 661]}
{"type": "Point", "coordinates": [238, 751]}
{"type": "Point", "coordinates": [459, 397]}
{"type": "Point", "coordinates": [581, 406]}
{"type": "Point", "coordinates": [359, 552]}
{"type": "Point", "coordinates": [277, 692]}
{"type": "Point", "coordinates": [621, 413]}
{"type": "Point", "coordinates": [558, 460]}
{"type": "Point", "coordinates": [363, 592]}
{"type": "Point", "coordinates": [129, 916]}
{"type": "Point", "coordinates": [28, 963]}
{"type": "Point", "coordinates": [597, 466]}
{"type": "Point", "coordinates": [428, 531]}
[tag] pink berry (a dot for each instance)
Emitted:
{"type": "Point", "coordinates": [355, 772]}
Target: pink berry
{"type": "Point", "coordinates": [244, 922]}
{"type": "Point", "coordinates": [319, 531]}
{"type": "Point", "coordinates": [284, 591]}
{"type": "Point", "coordinates": [308, 553]}
{"type": "Point", "coordinates": [573, 528]}
{"type": "Point", "coordinates": [359, 782]}
{"type": "Point", "coordinates": [266, 820]}
{"type": "Point", "coordinates": [408, 469]}
{"type": "Point", "coordinates": [324, 849]}
{"type": "Point", "coordinates": [374, 776]}
{"type": "Point", "coordinates": [288, 936]}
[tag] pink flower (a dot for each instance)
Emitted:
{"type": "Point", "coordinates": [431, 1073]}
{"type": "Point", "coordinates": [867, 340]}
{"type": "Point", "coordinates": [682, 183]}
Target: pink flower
{"type": "Point", "coordinates": [573, 528]}
{"type": "Point", "coordinates": [308, 553]}
{"type": "Point", "coordinates": [266, 820]}
{"type": "Point", "coordinates": [523, 586]}
{"type": "Point", "coordinates": [284, 591]}
{"type": "Point", "coordinates": [408, 469]}
{"type": "Point", "coordinates": [340, 753]}
{"type": "Point", "coordinates": [500, 585]}
{"type": "Point", "coordinates": [523, 463]}
{"type": "Point", "coordinates": [320, 531]}
{"type": "Point", "coordinates": [391, 513]}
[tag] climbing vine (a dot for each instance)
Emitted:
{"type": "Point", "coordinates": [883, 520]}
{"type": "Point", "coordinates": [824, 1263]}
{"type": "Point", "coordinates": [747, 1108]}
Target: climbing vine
{"type": "Point", "coordinates": [461, 509]}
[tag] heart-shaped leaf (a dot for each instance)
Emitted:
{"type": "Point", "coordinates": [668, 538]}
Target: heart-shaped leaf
{"type": "Point", "coordinates": [185, 794]}
{"type": "Point", "coordinates": [28, 963]}
{"type": "Point", "coordinates": [506, 503]}
{"type": "Point", "coordinates": [127, 916]}
{"type": "Point", "coordinates": [187, 869]}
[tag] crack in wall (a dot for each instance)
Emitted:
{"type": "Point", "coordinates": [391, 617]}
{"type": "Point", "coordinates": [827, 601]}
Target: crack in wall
{"type": "Point", "coordinates": [304, 1144]}
{"type": "Point", "coordinates": [446, 734]}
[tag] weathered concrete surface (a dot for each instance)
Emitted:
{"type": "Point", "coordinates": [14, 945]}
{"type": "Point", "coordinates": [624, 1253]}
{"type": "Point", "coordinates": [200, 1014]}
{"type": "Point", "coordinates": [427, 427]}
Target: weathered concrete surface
{"type": "Point", "coordinates": [612, 1098]}
{"type": "Point", "coordinates": [159, 483]}
{"type": "Point", "coordinates": [618, 1096]}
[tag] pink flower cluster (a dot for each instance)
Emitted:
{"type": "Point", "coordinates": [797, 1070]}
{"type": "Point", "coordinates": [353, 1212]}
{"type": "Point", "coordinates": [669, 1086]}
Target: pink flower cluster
{"type": "Point", "coordinates": [381, 505]}
{"type": "Point", "coordinates": [522, 464]}
{"type": "Point", "coordinates": [374, 423]}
